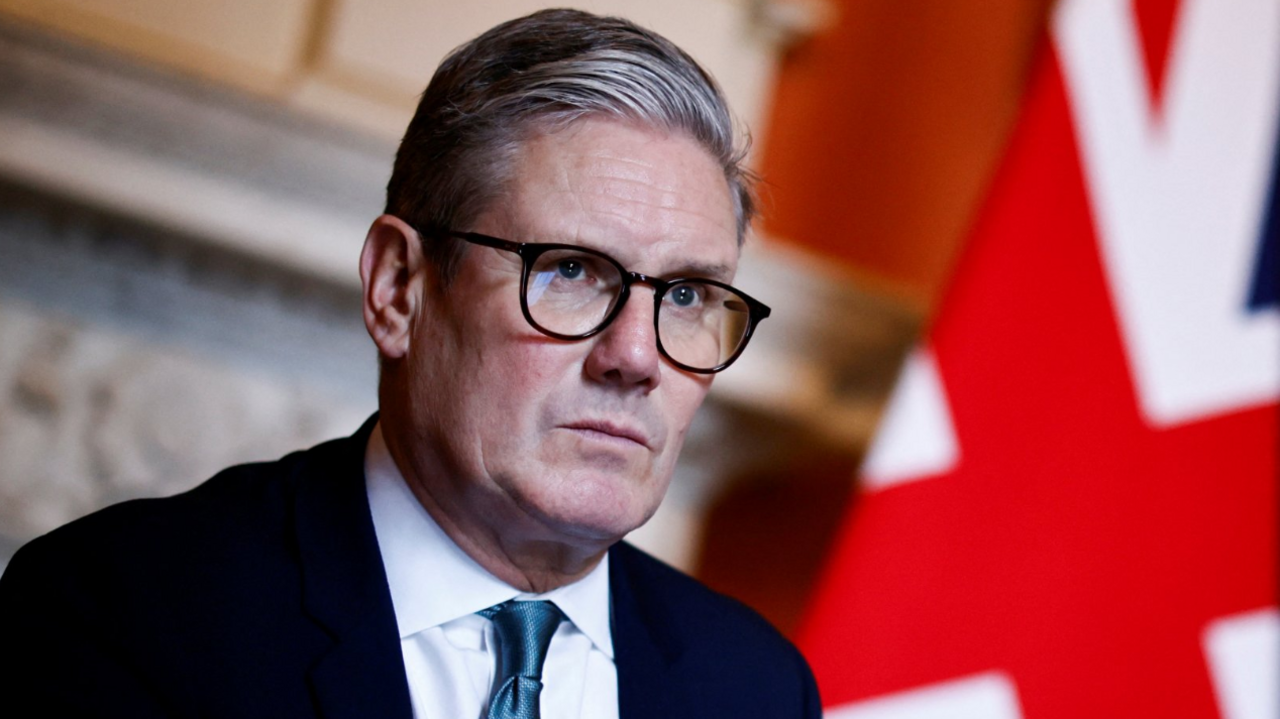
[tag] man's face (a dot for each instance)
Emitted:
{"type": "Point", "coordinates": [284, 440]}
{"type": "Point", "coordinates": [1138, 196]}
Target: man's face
{"type": "Point", "coordinates": [571, 440]}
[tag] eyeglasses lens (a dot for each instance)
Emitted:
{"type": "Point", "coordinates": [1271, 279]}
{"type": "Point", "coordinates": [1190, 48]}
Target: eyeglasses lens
{"type": "Point", "coordinates": [571, 292]}
{"type": "Point", "coordinates": [702, 325]}
{"type": "Point", "coordinates": [699, 325]}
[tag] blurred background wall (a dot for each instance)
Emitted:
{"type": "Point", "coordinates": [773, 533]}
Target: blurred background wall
{"type": "Point", "coordinates": [185, 186]}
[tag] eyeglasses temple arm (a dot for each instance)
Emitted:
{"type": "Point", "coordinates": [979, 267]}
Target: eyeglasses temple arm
{"type": "Point", "coordinates": [487, 241]}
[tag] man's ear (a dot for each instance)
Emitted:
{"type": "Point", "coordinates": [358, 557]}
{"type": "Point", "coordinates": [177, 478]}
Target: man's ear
{"type": "Point", "coordinates": [393, 275]}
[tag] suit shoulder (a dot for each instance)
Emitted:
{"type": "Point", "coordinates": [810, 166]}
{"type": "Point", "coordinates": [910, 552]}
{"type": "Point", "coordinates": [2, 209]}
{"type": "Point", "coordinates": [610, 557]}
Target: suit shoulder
{"type": "Point", "coordinates": [702, 612]}
{"type": "Point", "coordinates": [738, 662]}
{"type": "Point", "coordinates": [235, 505]}
{"type": "Point", "coordinates": [146, 600]}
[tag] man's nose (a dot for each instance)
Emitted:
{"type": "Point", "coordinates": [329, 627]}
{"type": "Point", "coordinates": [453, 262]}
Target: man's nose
{"type": "Point", "coordinates": [626, 352]}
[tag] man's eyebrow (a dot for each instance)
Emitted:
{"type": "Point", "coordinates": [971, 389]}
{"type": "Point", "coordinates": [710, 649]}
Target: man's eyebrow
{"type": "Point", "coordinates": [708, 270]}
{"type": "Point", "coordinates": [715, 271]}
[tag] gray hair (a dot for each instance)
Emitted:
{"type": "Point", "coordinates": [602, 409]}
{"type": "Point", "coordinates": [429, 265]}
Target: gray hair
{"type": "Point", "coordinates": [537, 74]}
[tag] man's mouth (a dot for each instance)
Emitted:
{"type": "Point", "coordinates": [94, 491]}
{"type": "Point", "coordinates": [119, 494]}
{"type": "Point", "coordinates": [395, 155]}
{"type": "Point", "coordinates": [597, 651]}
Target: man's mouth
{"type": "Point", "coordinates": [609, 431]}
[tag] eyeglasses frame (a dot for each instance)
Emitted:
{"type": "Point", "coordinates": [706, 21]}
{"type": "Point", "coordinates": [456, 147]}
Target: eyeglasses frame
{"type": "Point", "coordinates": [531, 251]}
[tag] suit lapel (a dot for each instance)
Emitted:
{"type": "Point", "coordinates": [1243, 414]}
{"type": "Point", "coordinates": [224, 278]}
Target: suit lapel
{"type": "Point", "coordinates": [361, 672]}
{"type": "Point", "coordinates": [345, 592]}
{"type": "Point", "coordinates": [646, 647]}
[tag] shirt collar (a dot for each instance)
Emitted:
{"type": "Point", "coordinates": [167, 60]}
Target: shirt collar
{"type": "Point", "coordinates": [420, 559]}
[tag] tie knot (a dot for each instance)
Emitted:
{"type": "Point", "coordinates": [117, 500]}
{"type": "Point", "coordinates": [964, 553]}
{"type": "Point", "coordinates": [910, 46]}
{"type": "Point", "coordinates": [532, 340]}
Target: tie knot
{"type": "Point", "coordinates": [524, 631]}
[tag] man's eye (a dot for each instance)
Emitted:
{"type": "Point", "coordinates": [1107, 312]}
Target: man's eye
{"type": "Point", "coordinates": [685, 296]}
{"type": "Point", "coordinates": [570, 269]}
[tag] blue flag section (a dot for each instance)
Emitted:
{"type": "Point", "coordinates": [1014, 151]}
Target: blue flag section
{"type": "Point", "coordinates": [1264, 292]}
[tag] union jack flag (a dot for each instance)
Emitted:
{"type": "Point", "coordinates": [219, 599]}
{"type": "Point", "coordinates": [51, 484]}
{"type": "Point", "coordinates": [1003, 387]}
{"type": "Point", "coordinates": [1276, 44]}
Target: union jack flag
{"type": "Point", "coordinates": [1071, 508]}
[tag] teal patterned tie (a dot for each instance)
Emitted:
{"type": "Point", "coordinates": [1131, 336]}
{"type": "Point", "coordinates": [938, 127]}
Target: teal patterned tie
{"type": "Point", "coordinates": [524, 632]}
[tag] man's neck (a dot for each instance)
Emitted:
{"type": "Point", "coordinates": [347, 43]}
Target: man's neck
{"type": "Point", "coordinates": [529, 563]}
{"type": "Point", "coordinates": [534, 566]}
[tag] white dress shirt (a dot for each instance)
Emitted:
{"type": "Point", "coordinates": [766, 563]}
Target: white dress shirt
{"type": "Point", "coordinates": [436, 590]}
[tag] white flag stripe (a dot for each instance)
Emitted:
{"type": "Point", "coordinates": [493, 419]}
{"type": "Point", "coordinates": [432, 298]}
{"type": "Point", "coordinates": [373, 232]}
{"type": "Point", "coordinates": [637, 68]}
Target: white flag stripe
{"type": "Point", "coordinates": [991, 695]}
{"type": "Point", "coordinates": [1179, 193]}
{"type": "Point", "coordinates": [1244, 658]}
{"type": "Point", "coordinates": [916, 437]}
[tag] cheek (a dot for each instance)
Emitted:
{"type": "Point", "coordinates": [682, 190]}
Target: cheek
{"type": "Point", "coordinates": [522, 384]}
{"type": "Point", "coordinates": [687, 391]}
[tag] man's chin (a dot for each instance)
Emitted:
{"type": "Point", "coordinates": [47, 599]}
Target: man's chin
{"type": "Point", "coordinates": [593, 529]}
{"type": "Point", "coordinates": [594, 525]}
{"type": "Point", "coordinates": [589, 505]}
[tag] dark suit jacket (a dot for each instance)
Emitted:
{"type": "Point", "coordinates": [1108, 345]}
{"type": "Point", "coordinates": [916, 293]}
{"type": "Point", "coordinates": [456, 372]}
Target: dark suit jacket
{"type": "Point", "coordinates": [261, 593]}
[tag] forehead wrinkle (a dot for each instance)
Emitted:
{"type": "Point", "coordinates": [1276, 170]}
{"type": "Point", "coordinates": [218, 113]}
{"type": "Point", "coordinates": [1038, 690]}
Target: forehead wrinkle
{"type": "Point", "coordinates": [624, 170]}
{"type": "Point", "coordinates": [642, 199]}
{"type": "Point", "coordinates": [637, 211]}
{"type": "Point", "coordinates": [640, 190]}
{"type": "Point", "coordinates": [661, 214]}
{"type": "Point", "coordinates": [634, 208]}
{"type": "Point", "coordinates": [669, 187]}
{"type": "Point", "coordinates": [607, 172]}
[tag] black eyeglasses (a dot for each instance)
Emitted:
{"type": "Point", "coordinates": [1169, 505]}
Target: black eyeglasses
{"type": "Point", "coordinates": [571, 293]}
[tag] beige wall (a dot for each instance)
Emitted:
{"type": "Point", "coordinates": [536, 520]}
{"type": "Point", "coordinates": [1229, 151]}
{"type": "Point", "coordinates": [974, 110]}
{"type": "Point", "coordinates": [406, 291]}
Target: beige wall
{"type": "Point", "coordinates": [363, 62]}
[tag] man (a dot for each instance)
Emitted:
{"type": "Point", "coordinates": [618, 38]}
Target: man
{"type": "Point", "coordinates": [548, 292]}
